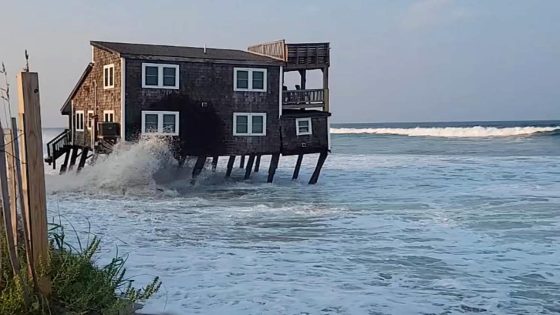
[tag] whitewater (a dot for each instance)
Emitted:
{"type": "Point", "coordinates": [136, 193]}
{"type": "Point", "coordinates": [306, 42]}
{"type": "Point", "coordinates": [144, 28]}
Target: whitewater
{"type": "Point", "coordinates": [396, 225]}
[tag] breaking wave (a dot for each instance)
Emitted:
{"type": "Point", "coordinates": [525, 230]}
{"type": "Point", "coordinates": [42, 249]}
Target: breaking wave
{"type": "Point", "coordinates": [130, 167]}
{"type": "Point", "coordinates": [452, 132]}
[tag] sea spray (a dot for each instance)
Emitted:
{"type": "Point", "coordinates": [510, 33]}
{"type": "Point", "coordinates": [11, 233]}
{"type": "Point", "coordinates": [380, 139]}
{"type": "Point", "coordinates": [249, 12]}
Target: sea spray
{"type": "Point", "coordinates": [450, 132]}
{"type": "Point", "coordinates": [131, 166]}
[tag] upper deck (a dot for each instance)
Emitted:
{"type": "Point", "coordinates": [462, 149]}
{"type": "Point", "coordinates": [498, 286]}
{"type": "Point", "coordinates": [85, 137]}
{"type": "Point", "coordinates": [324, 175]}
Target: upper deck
{"type": "Point", "coordinates": [302, 56]}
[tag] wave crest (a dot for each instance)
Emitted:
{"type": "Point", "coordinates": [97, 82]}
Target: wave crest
{"type": "Point", "coordinates": [450, 132]}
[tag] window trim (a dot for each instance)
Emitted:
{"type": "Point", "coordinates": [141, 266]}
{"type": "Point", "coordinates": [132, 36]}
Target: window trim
{"type": "Point", "coordinates": [160, 123]}
{"type": "Point", "coordinates": [250, 78]}
{"type": "Point", "coordinates": [111, 113]}
{"type": "Point", "coordinates": [310, 132]}
{"type": "Point", "coordinates": [79, 113]}
{"type": "Point", "coordinates": [250, 132]}
{"type": "Point", "coordinates": [111, 68]}
{"type": "Point", "coordinates": [89, 121]}
{"type": "Point", "coordinates": [160, 67]}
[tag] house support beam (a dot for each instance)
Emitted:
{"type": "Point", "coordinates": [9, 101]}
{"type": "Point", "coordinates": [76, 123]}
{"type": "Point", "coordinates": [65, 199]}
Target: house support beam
{"type": "Point", "coordinates": [298, 166]}
{"type": "Point", "coordinates": [242, 162]}
{"type": "Point", "coordinates": [273, 166]}
{"type": "Point", "coordinates": [64, 165]}
{"type": "Point", "coordinates": [198, 166]}
{"type": "Point", "coordinates": [303, 76]}
{"type": "Point", "coordinates": [230, 162]}
{"type": "Point", "coordinates": [320, 162]}
{"type": "Point", "coordinates": [257, 163]}
{"type": "Point", "coordinates": [83, 158]}
{"type": "Point", "coordinates": [214, 163]}
{"type": "Point", "coordinates": [249, 167]}
{"type": "Point", "coordinates": [74, 156]}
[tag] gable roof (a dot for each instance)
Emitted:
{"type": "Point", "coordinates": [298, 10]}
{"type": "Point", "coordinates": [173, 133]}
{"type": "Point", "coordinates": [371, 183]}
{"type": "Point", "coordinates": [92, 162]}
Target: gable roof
{"type": "Point", "coordinates": [131, 50]}
{"type": "Point", "coordinates": [66, 108]}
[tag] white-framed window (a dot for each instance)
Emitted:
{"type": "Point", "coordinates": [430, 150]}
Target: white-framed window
{"type": "Point", "coordinates": [89, 119]}
{"type": "Point", "coordinates": [303, 126]}
{"type": "Point", "coordinates": [108, 115]}
{"type": "Point", "coordinates": [249, 79]}
{"type": "Point", "coordinates": [160, 123]}
{"type": "Point", "coordinates": [79, 120]}
{"type": "Point", "coordinates": [109, 76]}
{"type": "Point", "coordinates": [160, 76]}
{"type": "Point", "coordinates": [249, 124]}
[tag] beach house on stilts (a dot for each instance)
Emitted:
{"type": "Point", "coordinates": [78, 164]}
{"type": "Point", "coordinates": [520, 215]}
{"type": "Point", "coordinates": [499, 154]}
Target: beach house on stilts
{"type": "Point", "coordinates": [210, 102]}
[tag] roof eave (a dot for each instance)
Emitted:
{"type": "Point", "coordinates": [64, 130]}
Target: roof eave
{"type": "Point", "coordinates": [65, 109]}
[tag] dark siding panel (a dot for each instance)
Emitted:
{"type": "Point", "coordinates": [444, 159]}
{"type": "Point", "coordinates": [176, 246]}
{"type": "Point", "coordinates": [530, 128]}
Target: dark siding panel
{"type": "Point", "coordinates": [206, 102]}
{"type": "Point", "coordinates": [316, 142]}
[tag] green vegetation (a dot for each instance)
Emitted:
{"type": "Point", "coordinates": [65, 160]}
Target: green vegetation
{"type": "Point", "coordinates": [79, 286]}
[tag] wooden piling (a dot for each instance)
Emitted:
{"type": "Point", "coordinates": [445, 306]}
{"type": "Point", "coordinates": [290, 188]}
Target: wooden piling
{"type": "Point", "coordinates": [64, 165]}
{"type": "Point", "coordinates": [33, 175]}
{"type": "Point", "coordinates": [320, 162]}
{"type": "Point", "coordinates": [298, 166]}
{"type": "Point", "coordinates": [83, 158]}
{"type": "Point", "coordinates": [17, 170]}
{"type": "Point", "coordinates": [230, 165]}
{"type": "Point", "coordinates": [198, 166]}
{"type": "Point", "coordinates": [215, 163]}
{"type": "Point", "coordinates": [273, 166]}
{"type": "Point", "coordinates": [242, 162]}
{"type": "Point", "coordinates": [249, 167]}
{"type": "Point", "coordinates": [257, 163]}
{"type": "Point", "coordinates": [12, 180]}
{"type": "Point", "coordinates": [74, 156]}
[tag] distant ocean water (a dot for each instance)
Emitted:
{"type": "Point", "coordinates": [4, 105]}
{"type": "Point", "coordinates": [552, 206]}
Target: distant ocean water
{"type": "Point", "coordinates": [407, 218]}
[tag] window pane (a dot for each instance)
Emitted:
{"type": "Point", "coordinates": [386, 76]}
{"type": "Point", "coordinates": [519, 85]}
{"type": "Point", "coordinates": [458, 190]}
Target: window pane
{"type": "Point", "coordinates": [169, 123]}
{"type": "Point", "coordinates": [168, 76]}
{"type": "Point", "coordinates": [257, 124]}
{"type": "Point", "coordinates": [258, 80]}
{"type": "Point", "coordinates": [303, 126]}
{"type": "Point", "coordinates": [111, 73]}
{"type": "Point", "coordinates": [241, 125]}
{"type": "Point", "coordinates": [151, 122]}
{"type": "Point", "coordinates": [106, 77]}
{"type": "Point", "coordinates": [151, 75]}
{"type": "Point", "coordinates": [242, 79]}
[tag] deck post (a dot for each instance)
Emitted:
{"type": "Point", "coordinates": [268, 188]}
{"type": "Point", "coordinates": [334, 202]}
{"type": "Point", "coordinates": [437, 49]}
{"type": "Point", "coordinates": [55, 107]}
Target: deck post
{"type": "Point", "coordinates": [273, 167]}
{"type": "Point", "coordinates": [214, 163]}
{"type": "Point", "coordinates": [257, 163]}
{"type": "Point", "coordinates": [83, 158]}
{"type": "Point", "coordinates": [298, 165]}
{"type": "Point", "coordinates": [64, 165]}
{"type": "Point", "coordinates": [249, 167]}
{"type": "Point", "coordinates": [230, 162]}
{"type": "Point", "coordinates": [303, 76]}
{"type": "Point", "coordinates": [320, 162]}
{"type": "Point", "coordinates": [242, 162]}
{"type": "Point", "coordinates": [198, 166]}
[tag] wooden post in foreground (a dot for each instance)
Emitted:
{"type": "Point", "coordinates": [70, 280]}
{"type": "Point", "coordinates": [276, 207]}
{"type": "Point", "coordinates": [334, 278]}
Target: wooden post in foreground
{"type": "Point", "coordinates": [33, 173]}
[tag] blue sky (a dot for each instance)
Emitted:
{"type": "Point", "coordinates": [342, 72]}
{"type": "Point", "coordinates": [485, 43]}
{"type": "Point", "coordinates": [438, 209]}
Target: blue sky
{"type": "Point", "coordinates": [424, 60]}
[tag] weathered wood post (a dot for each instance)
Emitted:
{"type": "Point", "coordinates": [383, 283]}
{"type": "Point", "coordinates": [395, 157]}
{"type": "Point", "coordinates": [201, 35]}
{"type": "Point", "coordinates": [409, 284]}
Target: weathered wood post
{"type": "Point", "coordinates": [298, 166]}
{"type": "Point", "coordinates": [33, 174]}
{"type": "Point", "coordinates": [230, 162]}
{"type": "Point", "coordinates": [242, 161]}
{"type": "Point", "coordinates": [9, 141]}
{"type": "Point", "coordinates": [257, 163]}
{"type": "Point", "coordinates": [7, 211]}
{"type": "Point", "coordinates": [273, 166]}
{"type": "Point", "coordinates": [315, 177]}
{"type": "Point", "coordinates": [215, 163]}
{"type": "Point", "coordinates": [249, 167]}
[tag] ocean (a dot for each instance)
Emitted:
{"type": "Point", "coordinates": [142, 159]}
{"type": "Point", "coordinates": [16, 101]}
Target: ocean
{"type": "Point", "coordinates": [407, 218]}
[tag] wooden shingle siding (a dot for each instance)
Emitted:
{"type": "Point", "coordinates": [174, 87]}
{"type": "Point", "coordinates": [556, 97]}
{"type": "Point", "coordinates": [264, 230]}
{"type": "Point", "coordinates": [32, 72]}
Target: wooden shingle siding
{"type": "Point", "coordinates": [206, 101]}
{"type": "Point", "coordinates": [92, 96]}
{"type": "Point", "coordinates": [314, 143]}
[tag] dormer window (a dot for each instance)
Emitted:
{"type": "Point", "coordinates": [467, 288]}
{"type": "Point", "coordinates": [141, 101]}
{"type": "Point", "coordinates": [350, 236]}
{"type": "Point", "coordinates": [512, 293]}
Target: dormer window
{"type": "Point", "coordinates": [109, 76]}
{"type": "Point", "coordinates": [160, 76]}
{"type": "Point", "coordinates": [249, 79]}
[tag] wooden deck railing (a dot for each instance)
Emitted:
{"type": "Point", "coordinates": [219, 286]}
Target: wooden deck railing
{"type": "Point", "coordinates": [56, 147]}
{"type": "Point", "coordinates": [311, 55]}
{"type": "Point", "coordinates": [303, 98]}
{"type": "Point", "coordinates": [275, 49]}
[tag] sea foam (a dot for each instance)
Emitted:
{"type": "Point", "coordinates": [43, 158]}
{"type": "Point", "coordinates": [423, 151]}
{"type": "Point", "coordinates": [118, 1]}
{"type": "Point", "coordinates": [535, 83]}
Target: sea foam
{"type": "Point", "coordinates": [449, 132]}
